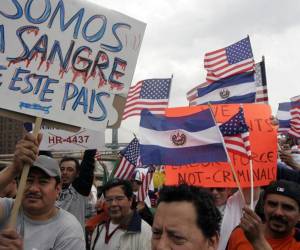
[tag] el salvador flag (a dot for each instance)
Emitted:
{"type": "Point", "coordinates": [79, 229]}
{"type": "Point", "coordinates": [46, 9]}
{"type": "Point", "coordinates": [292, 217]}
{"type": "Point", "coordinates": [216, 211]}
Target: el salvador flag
{"type": "Point", "coordinates": [180, 140]}
{"type": "Point", "coordinates": [239, 88]}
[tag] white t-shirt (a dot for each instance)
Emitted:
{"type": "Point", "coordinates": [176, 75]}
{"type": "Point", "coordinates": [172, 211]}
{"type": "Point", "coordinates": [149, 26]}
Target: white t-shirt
{"type": "Point", "coordinates": [232, 218]}
{"type": "Point", "coordinates": [114, 241]}
{"type": "Point", "coordinates": [61, 232]}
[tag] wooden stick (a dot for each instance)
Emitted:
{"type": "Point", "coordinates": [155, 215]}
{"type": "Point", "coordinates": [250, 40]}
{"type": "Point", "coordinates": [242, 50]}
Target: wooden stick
{"type": "Point", "coordinates": [251, 184]}
{"type": "Point", "coordinates": [228, 158]}
{"type": "Point", "coordinates": [14, 214]}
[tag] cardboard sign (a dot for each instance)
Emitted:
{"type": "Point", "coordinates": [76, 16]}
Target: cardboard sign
{"type": "Point", "coordinates": [61, 140]}
{"type": "Point", "coordinates": [263, 141]}
{"type": "Point", "coordinates": [66, 61]}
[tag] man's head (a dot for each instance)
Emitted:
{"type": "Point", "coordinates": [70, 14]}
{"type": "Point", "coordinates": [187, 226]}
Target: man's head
{"type": "Point", "coordinates": [220, 195]}
{"type": "Point", "coordinates": [186, 219]}
{"type": "Point", "coordinates": [136, 181]}
{"type": "Point", "coordinates": [69, 168]}
{"type": "Point", "coordinates": [42, 188]}
{"type": "Point", "coordinates": [118, 197]}
{"type": "Point", "coordinates": [281, 207]}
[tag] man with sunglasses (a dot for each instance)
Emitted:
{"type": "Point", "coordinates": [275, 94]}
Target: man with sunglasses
{"type": "Point", "coordinates": [220, 196]}
{"type": "Point", "coordinates": [124, 229]}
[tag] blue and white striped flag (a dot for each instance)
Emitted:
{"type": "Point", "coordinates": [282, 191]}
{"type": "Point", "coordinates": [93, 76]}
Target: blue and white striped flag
{"type": "Point", "coordinates": [284, 117]}
{"type": "Point", "coordinates": [180, 140]}
{"type": "Point", "coordinates": [239, 88]}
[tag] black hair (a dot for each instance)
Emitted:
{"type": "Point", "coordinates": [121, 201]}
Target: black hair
{"type": "Point", "coordinates": [287, 188]}
{"type": "Point", "coordinates": [69, 158]}
{"type": "Point", "coordinates": [124, 184]}
{"type": "Point", "coordinates": [46, 152]}
{"type": "Point", "coordinates": [208, 216]}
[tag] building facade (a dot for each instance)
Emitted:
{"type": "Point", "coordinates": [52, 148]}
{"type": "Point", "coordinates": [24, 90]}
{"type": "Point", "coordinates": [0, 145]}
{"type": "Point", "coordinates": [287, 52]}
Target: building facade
{"type": "Point", "coordinates": [10, 132]}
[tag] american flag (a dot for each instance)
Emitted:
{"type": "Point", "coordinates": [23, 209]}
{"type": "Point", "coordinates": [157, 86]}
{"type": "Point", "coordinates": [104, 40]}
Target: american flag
{"type": "Point", "coordinates": [236, 134]}
{"type": "Point", "coordinates": [295, 98]}
{"type": "Point", "coordinates": [234, 59]}
{"type": "Point", "coordinates": [261, 83]}
{"type": "Point", "coordinates": [295, 118]}
{"type": "Point", "coordinates": [152, 94]}
{"type": "Point", "coordinates": [144, 188]}
{"type": "Point", "coordinates": [192, 94]}
{"type": "Point", "coordinates": [129, 161]}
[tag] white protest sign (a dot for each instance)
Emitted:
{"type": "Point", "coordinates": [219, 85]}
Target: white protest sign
{"type": "Point", "coordinates": [61, 140]}
{"type": "Point", "coordinates": [66, 60]}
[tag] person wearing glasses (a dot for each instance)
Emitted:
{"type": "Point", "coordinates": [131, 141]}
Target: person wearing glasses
{"type": "Point", "coordinates": [124, 229]}
{"type": "Point", "coordinates": [220, 196]}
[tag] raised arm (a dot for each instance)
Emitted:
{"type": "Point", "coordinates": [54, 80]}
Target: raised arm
{"type": "Point", "coordinates": [83, 183]}
{"type": "Point", "coordinates": [26, 152]}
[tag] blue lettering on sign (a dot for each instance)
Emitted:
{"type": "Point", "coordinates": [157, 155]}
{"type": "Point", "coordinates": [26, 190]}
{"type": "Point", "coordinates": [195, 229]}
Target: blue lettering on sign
{"type": "Point", "coordinates": [35, 106]}
{"type": "Point", "coordinates": [63, 26]}
{"type": "Point", "coordinates": [49, 13]}
{"type": "Point", "coordinates": [114, 71]}
{"type": "Point", "coordinates": [38, 84]}
{"type": "Point", "coordinates": [99, 34]}
{"type": "Point", "coordinates": [19, 11]}
{"type": "Point", "coordinates": [47, 90]}
{"type": "Point", "coordinates": [40, 47]}
{"type": "Point", "coordinates": [17, 78]}
{"type": "Point", "coordinates": [56, 50]}
{"type": "Point", "coordinates": [101, 105]}
{"type": "Point", "coordinates": [119, 47]}
{"type": "Point", "coordinates": [43, 17]}
{"type": "Point", "coordinates": [25, 53]}
{"type": "Point", "coordinates": [2, 39]}
{"type": "Point", "coordinates": [80, 98]}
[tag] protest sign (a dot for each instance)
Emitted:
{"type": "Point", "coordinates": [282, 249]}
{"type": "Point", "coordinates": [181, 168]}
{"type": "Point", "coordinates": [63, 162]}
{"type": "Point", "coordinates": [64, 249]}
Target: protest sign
{"type": "Point", "coordinates": [263, 141]}
{"type": "Point", "coordinates": [66, 61]}
{"type": "Point", "coordinates": [62, 140]}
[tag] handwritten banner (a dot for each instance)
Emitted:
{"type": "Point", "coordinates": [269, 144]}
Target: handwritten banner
{"type": "Point", "coordinates": [263, 140]}
{"type": "Point", "coordinates": [61, 140]}
{"type": "Point", "coordinates": [66, 60]}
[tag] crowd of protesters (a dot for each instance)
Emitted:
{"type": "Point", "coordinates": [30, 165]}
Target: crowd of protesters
{"type": "Point", "coordinates": [60, 210]}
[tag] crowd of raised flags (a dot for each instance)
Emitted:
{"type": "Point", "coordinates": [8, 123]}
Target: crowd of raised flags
{"type": "Point", "coordinates": [232, 77]}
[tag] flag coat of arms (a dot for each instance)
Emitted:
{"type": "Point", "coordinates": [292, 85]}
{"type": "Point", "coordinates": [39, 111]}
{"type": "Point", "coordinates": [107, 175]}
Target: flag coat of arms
{"type": "Point", "coordinates": [235, 89]}
{"type": "Point", "coordinates": [180, 140]}
{"type": "Point", "coordinates": [234, 59]}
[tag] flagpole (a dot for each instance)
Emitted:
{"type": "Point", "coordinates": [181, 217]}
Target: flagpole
{"type": "Point", "coordinates": [251, 173]}
{"type": "Point", "coordinates": [170, 89]}
{"type": "Point", "coordinates": [252, 184]}
{"type": "Point", "coordinates": [228, 158]}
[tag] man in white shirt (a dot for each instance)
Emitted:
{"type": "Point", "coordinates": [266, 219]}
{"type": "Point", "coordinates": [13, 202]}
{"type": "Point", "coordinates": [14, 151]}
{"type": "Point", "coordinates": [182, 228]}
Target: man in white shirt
{"type": "Point", "coordinates": [124, 230]}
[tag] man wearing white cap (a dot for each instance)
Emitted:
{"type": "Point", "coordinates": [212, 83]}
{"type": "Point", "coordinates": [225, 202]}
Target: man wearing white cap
{"type": "Point", "coordinates": [40, 224]}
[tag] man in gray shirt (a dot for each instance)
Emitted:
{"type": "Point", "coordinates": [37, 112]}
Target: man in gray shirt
{"type": "Point", "coordinates": [40, 224]}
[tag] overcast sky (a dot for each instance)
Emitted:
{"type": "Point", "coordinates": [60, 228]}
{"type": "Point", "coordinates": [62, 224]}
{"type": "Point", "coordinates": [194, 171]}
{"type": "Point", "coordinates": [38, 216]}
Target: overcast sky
{"type": "Point", "coordinates": [180, 32]}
